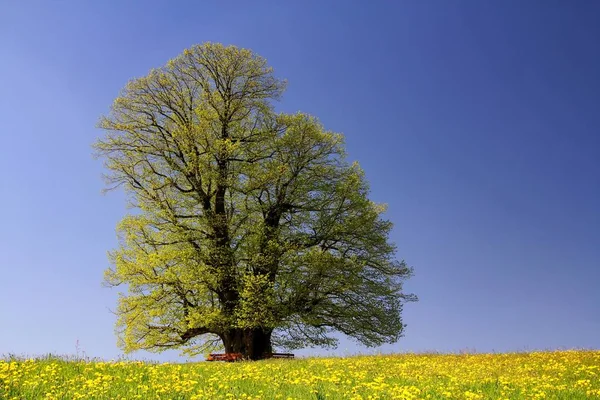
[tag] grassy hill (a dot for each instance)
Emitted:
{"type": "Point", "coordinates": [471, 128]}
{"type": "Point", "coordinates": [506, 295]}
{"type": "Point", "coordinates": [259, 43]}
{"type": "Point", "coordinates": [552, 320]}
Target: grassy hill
{"type": "Point", "coordinates": [537, 375]}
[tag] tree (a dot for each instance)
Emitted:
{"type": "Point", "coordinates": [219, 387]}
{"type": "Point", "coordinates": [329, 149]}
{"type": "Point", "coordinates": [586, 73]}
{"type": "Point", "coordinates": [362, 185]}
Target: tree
{"type": "Point", "coordinates": [251, 229]}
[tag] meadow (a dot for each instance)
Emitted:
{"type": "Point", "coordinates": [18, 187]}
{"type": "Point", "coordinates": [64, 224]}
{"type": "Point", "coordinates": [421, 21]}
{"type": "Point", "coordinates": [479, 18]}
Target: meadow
{"type": "Point", "coordinates": [535, 375]}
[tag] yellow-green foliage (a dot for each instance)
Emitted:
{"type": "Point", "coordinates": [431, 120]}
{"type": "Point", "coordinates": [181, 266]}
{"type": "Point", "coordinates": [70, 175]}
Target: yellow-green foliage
{"type": "Point", "coordinates": [249, 223]}
{"type": "Point", "coordinates": [538, 375]}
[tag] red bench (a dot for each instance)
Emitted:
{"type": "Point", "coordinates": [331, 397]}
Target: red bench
{"type": "Point", "coordinates": [230, 357]}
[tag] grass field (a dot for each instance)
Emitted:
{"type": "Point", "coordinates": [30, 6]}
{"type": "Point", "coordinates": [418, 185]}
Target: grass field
{"type": "Point", "coordinates": [537, 375]}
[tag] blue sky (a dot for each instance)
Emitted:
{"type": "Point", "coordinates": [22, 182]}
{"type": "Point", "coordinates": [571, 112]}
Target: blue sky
{"type": "Point", "coordinates": [478, 122]}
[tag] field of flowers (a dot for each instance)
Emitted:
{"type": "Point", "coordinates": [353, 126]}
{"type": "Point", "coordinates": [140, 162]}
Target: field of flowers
{"type": "Point", "coordinates": [538, 375]}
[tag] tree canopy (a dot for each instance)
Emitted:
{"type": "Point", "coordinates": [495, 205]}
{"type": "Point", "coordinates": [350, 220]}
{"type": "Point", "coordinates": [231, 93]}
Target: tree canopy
{"type": "Point", "coordinates": [251, 229]}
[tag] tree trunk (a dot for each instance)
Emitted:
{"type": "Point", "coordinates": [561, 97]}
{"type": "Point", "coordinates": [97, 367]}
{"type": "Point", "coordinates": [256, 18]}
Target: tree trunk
{"type": "Point", "coordinates": [253, 344]}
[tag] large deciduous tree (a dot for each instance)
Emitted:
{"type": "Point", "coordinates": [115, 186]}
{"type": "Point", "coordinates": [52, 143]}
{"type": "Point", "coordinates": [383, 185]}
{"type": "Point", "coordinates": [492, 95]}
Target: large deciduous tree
{"type": "Point", "coordinates": [251, 228]}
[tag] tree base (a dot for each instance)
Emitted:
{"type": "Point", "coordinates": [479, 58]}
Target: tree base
{"type": "Point", "coordinates": [252, 344]}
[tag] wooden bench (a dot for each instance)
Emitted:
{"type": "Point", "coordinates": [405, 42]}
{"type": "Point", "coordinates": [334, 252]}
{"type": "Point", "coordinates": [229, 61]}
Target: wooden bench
{"type": "Point", "coordinates": [230, 357]}
{"type": "Point", "coordinates": [280, 355]}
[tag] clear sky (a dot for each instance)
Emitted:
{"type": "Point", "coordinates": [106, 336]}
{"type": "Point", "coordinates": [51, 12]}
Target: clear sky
{"type": "Point", "coordinates": [478, 122]}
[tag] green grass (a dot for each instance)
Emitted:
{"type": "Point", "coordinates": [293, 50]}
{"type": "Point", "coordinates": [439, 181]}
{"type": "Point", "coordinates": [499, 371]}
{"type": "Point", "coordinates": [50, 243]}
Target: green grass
{"type": "Point", "coordinates": [551, 375]}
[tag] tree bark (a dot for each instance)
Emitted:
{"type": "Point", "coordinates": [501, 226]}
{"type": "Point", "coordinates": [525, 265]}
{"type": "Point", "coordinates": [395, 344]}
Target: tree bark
{"type": "Point", "coordinates": [252, 343]}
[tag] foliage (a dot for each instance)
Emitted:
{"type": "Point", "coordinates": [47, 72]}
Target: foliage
{"type": "Point", "coordinates": [565, 375]}
{"type": "Point", "coordinates": [248, 222]}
